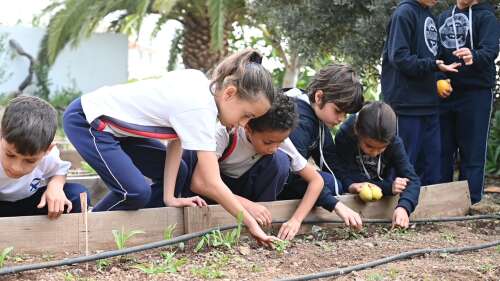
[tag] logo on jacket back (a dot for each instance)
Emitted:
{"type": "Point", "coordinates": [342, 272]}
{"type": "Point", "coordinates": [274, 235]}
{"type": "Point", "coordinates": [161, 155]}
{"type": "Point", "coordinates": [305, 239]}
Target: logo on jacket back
{"type": "Point", "coordinates": [430, 35]}
{"type": "Point", "coordinates": [447, 34]}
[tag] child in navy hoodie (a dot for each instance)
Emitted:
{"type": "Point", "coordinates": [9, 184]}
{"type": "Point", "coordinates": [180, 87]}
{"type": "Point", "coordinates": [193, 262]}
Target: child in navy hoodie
{"type": "Point", "coordinates": [469, 34]}
{"type": "Point", "coordinates": [368, 150]}
{"type": "Point", "coordinates": [334, 91]}
{"type": "Point", "coordinates": [409, 86]}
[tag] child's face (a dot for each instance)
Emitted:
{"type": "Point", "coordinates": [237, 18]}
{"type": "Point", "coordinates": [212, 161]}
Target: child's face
{"type": "Point", "coordinates": [16, 165]}
{"type": "Point", "coordinates": [234, 111]}
{"type": "Point", "coordinates": [466, 3]}
{"type": "Point", "coordinates": [428, 3]}
{"type": "Point", "coordinates": [266, 142]}
{"type": "Point", "coordinates": [329, 113]}
{"type": "Point", "coordinates": [371, 147]}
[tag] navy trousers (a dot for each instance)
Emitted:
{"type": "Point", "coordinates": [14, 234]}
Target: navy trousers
{"type": "Point", "coordinates": [421, 137]}
{"type": "Point", "coordinates": [465, 119]}
{"type": "Point", "coordinates": [124, 164]}
{"type": "Point", "coordinates": [261, 183]}
{"type": "Point", "coordinates": [27, 206]}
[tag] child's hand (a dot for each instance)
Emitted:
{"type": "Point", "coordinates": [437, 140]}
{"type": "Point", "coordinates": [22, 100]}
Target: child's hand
{"type": "Point", "coordinates": [55, 200]}
{"type": "Point", "coordinates": [465, 54]}
{"type": "Point", "coordinates": [447, 67]}
{"type": "Point", "coordinates": [186, 202]}
{"type": "Point", "coordinates": [356, 187]}
{"type": "Point", "coordinates": [400, 218]}
{"type": "Point", "coordinates": [259, 235]}
{"type": "Point", "coordinates": [399, 185]}
{"type": "Point", "coordinates": [350, 217]}
{"type": "Point", "coordinates": [260, 213]}
{"type": "Point", "coordinates": [289, 229]}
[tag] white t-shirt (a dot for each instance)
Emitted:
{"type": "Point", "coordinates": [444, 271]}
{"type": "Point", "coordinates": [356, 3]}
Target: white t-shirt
{"type": "Point", "coordinates": [178, 104]}
{"type": "Point", "coordinates": [244, 156]}
{"type": "Point", "coordinates": [17, 189]}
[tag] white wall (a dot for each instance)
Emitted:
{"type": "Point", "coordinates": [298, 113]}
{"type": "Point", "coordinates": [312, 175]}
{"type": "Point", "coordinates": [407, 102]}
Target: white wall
{"type": "Point", "coordinates": [97, 61]}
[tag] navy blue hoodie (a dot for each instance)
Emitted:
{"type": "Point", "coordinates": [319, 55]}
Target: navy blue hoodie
{"type": "Point", "coordinates": [306, 138]}
{"type": "Point", "coordinates": [409, 61]}
{"type": "Point", "coordinates": [484, 46]}
{"type": "Point", "coordinates": [350, 169]}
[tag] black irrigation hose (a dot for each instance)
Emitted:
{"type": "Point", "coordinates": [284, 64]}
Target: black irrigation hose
{"type": "Point", "coordinates": [187, 237]}
{"type": "Point", "coordinates": [373, 263]}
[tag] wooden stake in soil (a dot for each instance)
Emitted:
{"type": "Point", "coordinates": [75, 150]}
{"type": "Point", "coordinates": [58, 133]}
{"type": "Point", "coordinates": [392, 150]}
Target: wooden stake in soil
{"type": "Point", "coordinates": [83, 203]}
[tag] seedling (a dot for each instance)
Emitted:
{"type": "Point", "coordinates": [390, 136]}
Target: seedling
{"type": "Point", "coordinates": [216, 238]}
{"type": "Point", "coordinates": [68, 276]}
{"type": "Point", "coordinates": [485, 268]}
{"type": "Point", "coordinates": [168, 233]}
{"type": "Point", "coordinates": [5, 253]}
{"type": "Point", "coordinates": [393, 273]}
{"type": "Point", "coordinates": [375, 277]}
{"type": "Point", "coordinates": [169, 265]}
{"type": "Point", "coordinates": [121, 237]}
{"type": "Point", "coordinates": [102, 264]}
{"type": "Point", "coordinates": [448, 236]}
{"type": "Point", "coordinates": [498, 249]}
{"type": "Point", "coordinates": [280, 245]}
{"type": "Point", "coordinates": [213, 270]}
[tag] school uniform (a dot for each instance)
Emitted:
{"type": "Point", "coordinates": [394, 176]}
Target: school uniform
{"type": "Point", "coordinates": [116, 130]}
{"type": "Point", "coordinates": [353, 166]}
{"type": "Point", "coordinates": [312, 138]}
{"type": "Point", "coordinates": [465, 114]}
{"type": "Point", "coordinates": [259, 178]}
{"type": "Point", "coordinates": [21, 196]}
{"type": "Point", "coordinates": [409, 86]}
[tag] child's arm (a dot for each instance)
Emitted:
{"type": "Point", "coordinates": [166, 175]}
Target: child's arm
{"type": "Point", "coordinates": [260, 213]}
{"type": "Point", "coordinates": [212, 186]}
{"type": "Point", "coordinates": [54, 197]}
{"type": "Point", "coordinates": [172, 162]}
{"type": "Point", "coordinates": [315, 184]}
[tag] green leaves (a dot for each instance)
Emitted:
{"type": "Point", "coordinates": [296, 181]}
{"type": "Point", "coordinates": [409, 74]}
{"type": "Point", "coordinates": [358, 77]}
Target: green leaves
{"type": "Point", "coordinates": [5, 253]}
{"type": "Point", "coordinates": [121, 237]}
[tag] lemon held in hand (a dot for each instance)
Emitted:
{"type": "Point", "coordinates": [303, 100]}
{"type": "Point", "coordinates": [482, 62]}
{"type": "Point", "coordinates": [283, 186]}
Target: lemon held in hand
{"type": "Point", "coordinates": [370, 192]}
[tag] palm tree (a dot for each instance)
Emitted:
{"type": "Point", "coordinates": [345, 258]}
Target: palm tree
{"type": "Point", "coordinates": [206, 24]}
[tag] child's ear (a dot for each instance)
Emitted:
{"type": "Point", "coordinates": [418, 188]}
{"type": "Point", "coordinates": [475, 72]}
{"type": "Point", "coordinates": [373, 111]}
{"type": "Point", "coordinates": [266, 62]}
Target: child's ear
{"type": "Point", "coordinates": [49, 149]}
{"type": "Point", "coordinates": [229, 92]}
{"type": "Point", "coordinates": [318, 97]}
{"type": "Point", "coordinates": [248, 130]}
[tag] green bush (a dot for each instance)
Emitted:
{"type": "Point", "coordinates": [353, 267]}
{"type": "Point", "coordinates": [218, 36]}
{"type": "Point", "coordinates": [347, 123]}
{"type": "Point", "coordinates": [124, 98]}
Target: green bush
{"type": "Point", "coordinates": [493, 154]}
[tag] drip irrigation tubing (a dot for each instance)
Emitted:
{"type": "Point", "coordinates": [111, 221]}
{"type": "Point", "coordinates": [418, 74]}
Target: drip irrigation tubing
{"type": "Point", "coordinates": [190, 236]}
{"type": "Point", "coordinates": [401, 256]}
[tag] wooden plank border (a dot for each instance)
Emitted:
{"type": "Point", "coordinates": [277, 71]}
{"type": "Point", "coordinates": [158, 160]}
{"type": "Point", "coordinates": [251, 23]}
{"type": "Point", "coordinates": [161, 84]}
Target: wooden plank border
{"type": "Point", "coordinates": [38, 234]}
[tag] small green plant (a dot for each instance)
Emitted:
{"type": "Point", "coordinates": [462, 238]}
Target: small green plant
{"type": "Point", "coordinates": [4, 255]}
{"type": "Point", "coordinates": [448, 236]}
{"type": "Point", "coordinates": [102, 264]}
{"type": "Point", "coordinates": [121, 237]}
{"type": "Point", "coordinates": [393, 273]}
{"type": "Point", "coordinates": [68, 276]}
{"type": "Point", "coordinates": [47, 256]}
{"type": "Point", "coordinates": [169, 265]}
{"type": "Point", "coordinates": [280, 245]}
{"type": "Point", "coordinates": [498, 249]}
{"type": "Point", "coordinates": [375, 277]}
{"type": "Point", "coordinates": [168, 233]}
{"type": "Point", "coordinates": [216, 238]}
{"type": "Point", "coordinates": [485, 268]}
{"type": "Point", "coordinates": [256, 268]}
{"type": "Point", "coordinates": [212, 270]}
{"type": "Point", "coordinates": [87, 168]}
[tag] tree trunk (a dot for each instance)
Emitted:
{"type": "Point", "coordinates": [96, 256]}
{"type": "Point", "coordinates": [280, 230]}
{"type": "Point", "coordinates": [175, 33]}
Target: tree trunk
{"type": "Point", "coordinates": [196, 52]}
{"type": "Point", "coordinates": [292, 69]}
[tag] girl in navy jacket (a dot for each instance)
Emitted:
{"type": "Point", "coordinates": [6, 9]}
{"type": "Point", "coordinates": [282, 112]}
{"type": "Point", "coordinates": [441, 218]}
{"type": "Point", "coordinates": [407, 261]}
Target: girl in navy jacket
{"type": "Point", "coordinates": [368, 150]}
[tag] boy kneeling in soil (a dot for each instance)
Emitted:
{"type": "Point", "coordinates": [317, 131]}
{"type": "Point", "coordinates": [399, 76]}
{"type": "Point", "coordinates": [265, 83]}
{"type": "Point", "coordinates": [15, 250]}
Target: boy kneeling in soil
{"type": "Point", "coordinates": [255, 163]}
{"type": "Point", "coordinates": [29, 160]}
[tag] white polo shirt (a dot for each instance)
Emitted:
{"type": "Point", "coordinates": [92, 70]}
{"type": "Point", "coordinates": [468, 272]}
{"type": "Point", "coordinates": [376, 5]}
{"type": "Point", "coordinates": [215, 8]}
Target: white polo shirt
{"type": "Point", "coordinates": [177, 105]}
{"type": "Point", "coordinates": [17, 189]}
{"type": "Point", "coordinates": [243, 155]}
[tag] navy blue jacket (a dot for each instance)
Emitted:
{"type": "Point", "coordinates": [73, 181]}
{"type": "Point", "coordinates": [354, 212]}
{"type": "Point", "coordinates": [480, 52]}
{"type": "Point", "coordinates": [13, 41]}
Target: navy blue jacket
{"type": "Point", "coordinates": [485, 35]}
{"type": "Point", "coordinates": [306, 138]}
{"type": "Point", "coordinates": [409, 61]}
{"type": "Point", "coordinates": [394, 158]}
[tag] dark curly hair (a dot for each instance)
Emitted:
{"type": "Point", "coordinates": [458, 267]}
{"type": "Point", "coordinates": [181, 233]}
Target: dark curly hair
{"type": "Point", "coordinates": [282, 116]}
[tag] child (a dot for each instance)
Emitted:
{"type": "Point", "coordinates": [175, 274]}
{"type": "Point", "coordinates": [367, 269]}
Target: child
{"type": "Point", "coordinates": [469, 33]}
{"type": "Point", "coordinates": [368, 149]}
{"type": "Point", "coordinates": [409, 85]}
{"type": "Point", "coordinates": [114, 128]}
{"type": "Point", "coordinates": [255, 162]}
{"type": "Point", "coordinates": [334, 91]}
{"type": "Point", "coordinates": [32, 176]}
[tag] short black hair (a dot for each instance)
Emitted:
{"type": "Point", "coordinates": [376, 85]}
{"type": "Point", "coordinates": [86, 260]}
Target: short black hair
{"type": "Point", "coordinates": [340, 84]}
{"type": "Point", "coordinates": [376, 120]}
{"type": "Point", "coordinates": [281, 116]}
{"type": "Point", "coordinates": [30, 124]}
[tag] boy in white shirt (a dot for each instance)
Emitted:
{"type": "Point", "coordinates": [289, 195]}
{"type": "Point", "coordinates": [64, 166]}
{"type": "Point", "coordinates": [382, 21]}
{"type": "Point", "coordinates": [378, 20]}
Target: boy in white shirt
{"type": "Point", "coordinates": [29, 160]}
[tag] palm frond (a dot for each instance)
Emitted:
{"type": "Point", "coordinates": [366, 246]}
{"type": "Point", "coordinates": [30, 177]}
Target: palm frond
{"type": "Point", "coordinates": [216, 12]}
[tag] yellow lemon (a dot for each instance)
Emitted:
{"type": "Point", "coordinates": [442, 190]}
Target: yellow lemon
{"type": "Point", "coordinates": [366, 193]}
{"type": "Point", "coordinates": [376, 192]}
{"type": "Point", "coordinates": [443, 86]}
